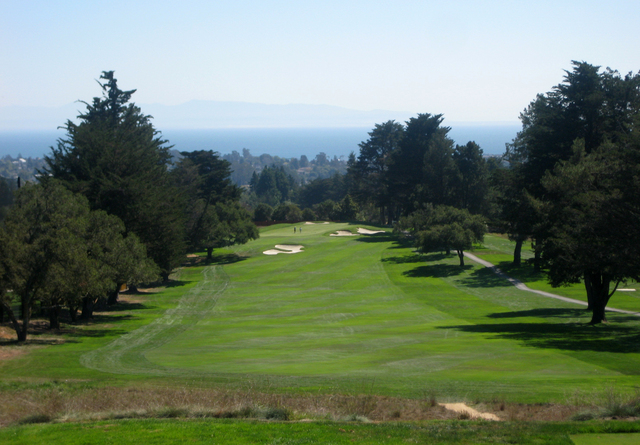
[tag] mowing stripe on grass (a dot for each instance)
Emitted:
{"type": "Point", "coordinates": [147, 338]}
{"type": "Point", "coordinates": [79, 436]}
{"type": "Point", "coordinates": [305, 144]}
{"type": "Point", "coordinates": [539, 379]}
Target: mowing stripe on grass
{"type": "Point", "coordinates": [126, 355]}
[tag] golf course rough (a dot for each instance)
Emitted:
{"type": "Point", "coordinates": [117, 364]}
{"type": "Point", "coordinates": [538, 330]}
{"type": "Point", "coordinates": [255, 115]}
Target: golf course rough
{"type": "Point", "coordinates": [367, 314]}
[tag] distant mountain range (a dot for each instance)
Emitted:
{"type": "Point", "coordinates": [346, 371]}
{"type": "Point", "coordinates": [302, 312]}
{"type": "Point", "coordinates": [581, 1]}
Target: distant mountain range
{"type": "Point", "coordinates": [199, 114]}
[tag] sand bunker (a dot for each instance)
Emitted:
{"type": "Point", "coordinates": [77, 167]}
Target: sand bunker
{"type": "Point", "coordinates": [369, 232]}
{"type": "Point", "coordinates": [361, 231]}
{"type": "Point", "coordinates": [284, 248]}
{"type": "Point", "coordinates": [461, 408]}
{"type": "Point", "coordinates": [343, 233]}
{"type": "Point", "coordinates": [312, 223]}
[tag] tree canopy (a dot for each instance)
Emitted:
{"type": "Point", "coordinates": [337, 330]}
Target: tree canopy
{"type": "Point", "coordinates": [56, 250]}
{"type": "Point", "coordinates": [118, 160]}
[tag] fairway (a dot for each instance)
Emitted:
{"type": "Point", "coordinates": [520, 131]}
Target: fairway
{"type": "Point", "coordinates": [367, 314]}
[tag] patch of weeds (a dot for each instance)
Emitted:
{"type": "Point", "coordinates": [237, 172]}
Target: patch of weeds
{"type": "Point", "coordinates": [584, 416]}
{"type": "Point", "coordinates": [277, 413]}
{"type": "Point", "coordinates": [171, 412]}
{"type": "Point", "coordinates": [356, 418]}
{"type": "Point", "coordinates": [610, 403]}
{"type": "Point", "coordinates": [431, 398]}
{"type": "Point", "coordinates": [139, 414]}
{"type": "Point", "coordinates": [35, 418]}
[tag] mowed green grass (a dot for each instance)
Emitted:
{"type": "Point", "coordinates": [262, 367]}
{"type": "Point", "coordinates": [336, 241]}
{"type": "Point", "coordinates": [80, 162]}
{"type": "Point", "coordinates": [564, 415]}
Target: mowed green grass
{"type": "Point", "coordinates": [368, 314]}
{"type": "Point", "coordinates": [362, 314]}
{"type": "Point", "coordinates": [209, 431]}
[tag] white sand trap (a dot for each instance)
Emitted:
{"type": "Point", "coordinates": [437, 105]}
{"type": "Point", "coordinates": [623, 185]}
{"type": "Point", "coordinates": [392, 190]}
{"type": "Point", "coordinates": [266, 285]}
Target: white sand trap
{"type": "Point", "coordinates": [343, 233]}
{"type": "Point", "coordinates": [310, 223]}
{"type": "Point", "coordinates": [369, 232]}
{"type": "Point", "coordinates": [462, 408]}
{"type": "Point", "coordinates": [284, 248]}
{"type": "Point", "coordinates": [625, 290]}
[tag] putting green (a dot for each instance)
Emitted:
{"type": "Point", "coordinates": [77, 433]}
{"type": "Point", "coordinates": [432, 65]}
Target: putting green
{"type": "Point", "coordinates": [355, 313]}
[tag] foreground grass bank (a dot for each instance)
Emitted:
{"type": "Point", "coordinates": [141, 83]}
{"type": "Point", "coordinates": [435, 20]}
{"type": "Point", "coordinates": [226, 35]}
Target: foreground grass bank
{"type": "Point", "coordinates": [238, 432]}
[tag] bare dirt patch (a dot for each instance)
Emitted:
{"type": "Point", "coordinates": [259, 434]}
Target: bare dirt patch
{"type": "Point", "coordinates": [463, 409]}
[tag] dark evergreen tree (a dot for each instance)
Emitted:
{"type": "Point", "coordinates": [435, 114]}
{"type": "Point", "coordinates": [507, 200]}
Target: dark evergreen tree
{"type": "Point", "coordinates": [589, 105]}
{"type": "Point", "coordinates": [368, 174]}
{"type": "Point", "coordinates": [470, 181]}
{"type": "Point", "coordinates": [117, 159]}
{"type": "Point", "coordinates": [592, 207]}
{"type": "Point", "coordinates": [214, 216]}
{"type": "Point", "coordinates": [407, 164]}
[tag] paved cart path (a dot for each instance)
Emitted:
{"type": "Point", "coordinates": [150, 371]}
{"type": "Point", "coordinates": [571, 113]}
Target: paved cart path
{"type": "Point", "coordinates": [520, 285]}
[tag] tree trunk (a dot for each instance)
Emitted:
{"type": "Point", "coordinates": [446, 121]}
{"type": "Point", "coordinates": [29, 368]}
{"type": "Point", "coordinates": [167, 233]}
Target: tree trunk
{"type": "Point", "coordinates": [54, 314]}
{"type": "Point", "coordinates": [517, 252]}
{"type": "Point", "coordinates": [114, 294]}
{"type": "Point", "coordinates": [87, 308]}
{"type": "Point", "coordinates": [599, 284]}
{"type": "Point", "coordinates": [14, 321]}
{"type": "Point", "coordinates": [209, 253]}
{"type": "Point", "coordinates": [461, 256]}
{"type": "Point", "coordinates": [537, 260]}
{"type": "Point", "coordinates": [448, 250]}
{"type": "Point", "coordinates": [26, 316]}
{"type": "Point", "coordinates": [589, 288]}
{"type": "Point", "coordinates": [165, 276]}
{"type": "Point", "coordinates": [73, 313]}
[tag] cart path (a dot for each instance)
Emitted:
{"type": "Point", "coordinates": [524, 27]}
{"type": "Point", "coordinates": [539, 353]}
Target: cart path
{"type": "Point", "coordinates": [520, 285]}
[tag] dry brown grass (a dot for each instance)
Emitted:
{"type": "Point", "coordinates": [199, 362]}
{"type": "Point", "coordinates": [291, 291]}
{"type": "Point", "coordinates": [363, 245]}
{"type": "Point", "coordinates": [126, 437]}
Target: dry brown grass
{"type": "Point", "coordinates": [109, 403]}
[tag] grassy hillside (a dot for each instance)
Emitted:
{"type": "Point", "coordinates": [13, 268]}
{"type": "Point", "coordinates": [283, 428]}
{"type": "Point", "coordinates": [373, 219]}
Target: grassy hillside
{"type": "Point", "coordinates": [347, 315]}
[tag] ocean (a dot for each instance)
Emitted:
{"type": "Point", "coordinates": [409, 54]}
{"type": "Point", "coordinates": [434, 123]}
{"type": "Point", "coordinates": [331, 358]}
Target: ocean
{"type": "Point", "coordinates": [282, 142]}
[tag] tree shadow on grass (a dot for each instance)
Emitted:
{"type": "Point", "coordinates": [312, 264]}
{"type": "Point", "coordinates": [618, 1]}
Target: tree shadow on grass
{"type": "Point", "coordinates": [227, 258]}
{"type": "Point", "coordinates": [404, 259]}
{"type": "Point", "coordinates": [95, 333]}
{"type": "Point", "coordinates": [126, 306]}
{"type": "Point", "coordinates": [436, 271]}
{"type": "Point", "coordinates": [542, 313]}
{"type": "Point", "coordinates": [525, 272]}
{"type": "Point", "coordinates": [485, 278]}
{"type": "Point", "coordinates": [386, 237]}
{"type": "Point", "coordinates": [616, 337]}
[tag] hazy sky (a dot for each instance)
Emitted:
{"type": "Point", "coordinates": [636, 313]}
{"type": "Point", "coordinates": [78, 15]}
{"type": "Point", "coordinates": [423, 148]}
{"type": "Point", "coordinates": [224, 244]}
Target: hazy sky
{"type": "Point", "coordinates": [471, 60]}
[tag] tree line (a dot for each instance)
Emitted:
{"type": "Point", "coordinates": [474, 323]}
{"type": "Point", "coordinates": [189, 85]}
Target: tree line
{"type": "Point", "coordinates": [569, 183]}
{"type": "Point", "coordinates": [109, 209]}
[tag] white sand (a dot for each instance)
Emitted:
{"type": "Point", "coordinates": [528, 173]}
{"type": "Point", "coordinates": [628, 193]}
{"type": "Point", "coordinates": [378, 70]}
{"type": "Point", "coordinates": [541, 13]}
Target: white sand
{"type": "Point", "coordinates": [343, 233]}
{"type": "Point", "coordinates": [462, 408]}
{"type": "Point", "coordinates": [369, 232]}
{"type": "Point", "coordinates": [284, 248]}
{"type": "Point", "coordinates": [310, 223]}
